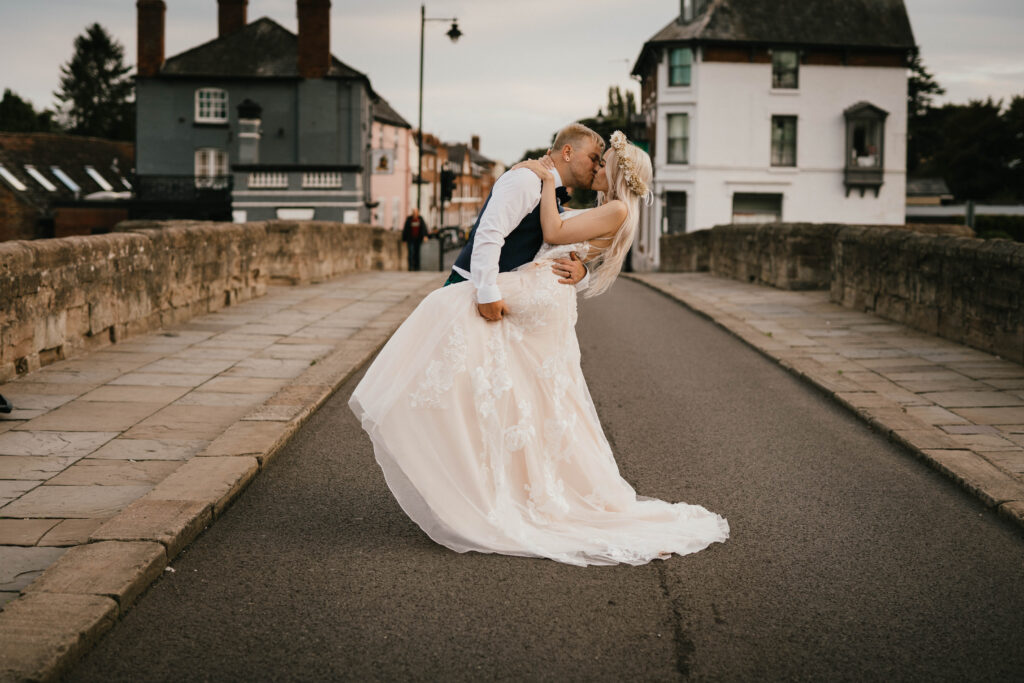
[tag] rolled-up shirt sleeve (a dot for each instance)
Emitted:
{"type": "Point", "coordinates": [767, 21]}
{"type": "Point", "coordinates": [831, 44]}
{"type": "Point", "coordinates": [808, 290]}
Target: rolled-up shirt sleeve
{"type": "Point", "coordinates": [515, 194]}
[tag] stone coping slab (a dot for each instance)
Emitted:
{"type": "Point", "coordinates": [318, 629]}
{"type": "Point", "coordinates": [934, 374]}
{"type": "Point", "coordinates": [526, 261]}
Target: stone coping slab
{"type": "Point", "coordinates": [954, 407]}
{"type": "Point", "coordinates": [140, 495]}
{"type": "Point", "coordinates": [43, 634]}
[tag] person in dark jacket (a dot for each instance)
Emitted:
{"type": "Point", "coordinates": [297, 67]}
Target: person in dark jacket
{"type": "Point", "coordinates": [413, 234]}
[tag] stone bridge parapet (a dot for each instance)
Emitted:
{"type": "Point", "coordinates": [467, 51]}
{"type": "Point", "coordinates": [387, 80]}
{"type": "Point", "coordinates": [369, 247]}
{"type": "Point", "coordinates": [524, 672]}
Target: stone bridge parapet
{"type": "Point", "coordinates": [59, 297]}
{"type": "Point", "coordinates": [965, 289]}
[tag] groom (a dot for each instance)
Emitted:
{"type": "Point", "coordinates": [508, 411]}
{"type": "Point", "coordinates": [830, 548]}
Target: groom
{"type": "Point", "coordinates": [508, 233]}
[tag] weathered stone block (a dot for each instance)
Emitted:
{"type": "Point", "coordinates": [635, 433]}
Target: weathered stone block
{"type": "Point", "coordinates": [212, 480]}
{"type": "Point", "coordinates": [172, 523]}
{"type": "Point", "coordinates": [42, 634]}
{"type": "Point", "coordinates": [114, 569]}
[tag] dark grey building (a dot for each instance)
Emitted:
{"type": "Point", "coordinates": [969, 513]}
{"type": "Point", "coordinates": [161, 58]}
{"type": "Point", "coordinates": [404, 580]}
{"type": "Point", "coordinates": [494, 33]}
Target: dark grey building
{"type": "Point", "coordinates": [263, 119]}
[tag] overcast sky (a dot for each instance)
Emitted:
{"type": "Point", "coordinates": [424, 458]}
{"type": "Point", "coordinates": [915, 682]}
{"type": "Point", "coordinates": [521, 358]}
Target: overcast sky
{"type": "Point", "coordinates": [522, 69]}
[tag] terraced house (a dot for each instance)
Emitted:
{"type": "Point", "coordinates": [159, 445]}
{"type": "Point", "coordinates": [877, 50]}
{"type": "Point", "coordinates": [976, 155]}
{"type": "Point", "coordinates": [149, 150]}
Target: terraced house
{"type": "Point", "coordinates": [775, 110]}
{"type": "Point", "coordinates": [258, 123]}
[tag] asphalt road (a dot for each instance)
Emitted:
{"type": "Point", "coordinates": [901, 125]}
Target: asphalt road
{"type": "Point", "coordinates": [849, 559]}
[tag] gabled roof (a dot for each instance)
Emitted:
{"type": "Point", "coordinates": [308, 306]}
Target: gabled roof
{"type": "Point", "coordinates": [875, 24]}
{"type": "Point", "coordinates": [862, 107]}
{"type": "Point", "coordinates": [456, 152]}
{"type": "Point", "coordinates": [262, 49]}
{"type": "Point", "coordinates": [71, 154]}
{"type": "Point", "coordinates": [385, 113]}
{"type": "Point", "coordinates": [478, 158]}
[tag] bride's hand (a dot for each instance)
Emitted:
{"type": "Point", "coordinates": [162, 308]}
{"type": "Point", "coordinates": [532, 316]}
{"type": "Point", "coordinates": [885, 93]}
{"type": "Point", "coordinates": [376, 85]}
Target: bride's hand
{"type": "Point", "coordinates": [538, 167]}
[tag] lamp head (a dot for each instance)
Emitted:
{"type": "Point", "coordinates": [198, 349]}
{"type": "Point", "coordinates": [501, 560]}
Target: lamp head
{"type": "Point", "coordinates": [455, 33]}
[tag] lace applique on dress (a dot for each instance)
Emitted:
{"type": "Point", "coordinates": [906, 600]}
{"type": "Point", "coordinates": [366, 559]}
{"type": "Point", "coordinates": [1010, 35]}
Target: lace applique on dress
{"type": "Point", "coordinates": [439, 376]}
{"type": "Point", "coordinates": [519, 435]}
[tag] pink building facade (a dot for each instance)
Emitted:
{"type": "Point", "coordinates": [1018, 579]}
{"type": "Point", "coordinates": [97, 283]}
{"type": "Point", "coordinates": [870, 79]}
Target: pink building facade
{"type": "Point", "coordinates": [391, 144]}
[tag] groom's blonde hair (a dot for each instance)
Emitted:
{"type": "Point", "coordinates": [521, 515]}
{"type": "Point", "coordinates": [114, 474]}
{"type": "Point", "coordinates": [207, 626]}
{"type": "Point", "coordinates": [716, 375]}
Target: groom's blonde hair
{"type": "Point", "coordinates": [573, 135]}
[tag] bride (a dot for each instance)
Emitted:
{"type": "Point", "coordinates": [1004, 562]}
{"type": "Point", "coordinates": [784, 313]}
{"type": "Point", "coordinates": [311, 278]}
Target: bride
{"type": "Point", "coordinates": [486, 432]}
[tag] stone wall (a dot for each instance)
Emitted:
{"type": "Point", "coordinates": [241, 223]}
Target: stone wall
{"type": "Point", "coordinates": [967, 290]}
{"type": "Point", "coordinates": [59, 297]}
{"type": "Point", "coordinates": [938, 279]}
{"type": "Point", "coordinates": [686, 252]}
{"type": "Point", "coordinates": [784, 255]}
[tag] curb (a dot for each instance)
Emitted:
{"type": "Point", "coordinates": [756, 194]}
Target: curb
{"type": "Point", "coordinates": [970, 470]}
{"type": "Point", "coordinates": [67, 609]}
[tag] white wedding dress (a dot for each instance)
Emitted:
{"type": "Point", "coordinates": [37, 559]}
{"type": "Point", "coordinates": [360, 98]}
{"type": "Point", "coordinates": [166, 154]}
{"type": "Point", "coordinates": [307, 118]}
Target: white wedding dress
{"type": "Point", "coordinates": [489, 440]}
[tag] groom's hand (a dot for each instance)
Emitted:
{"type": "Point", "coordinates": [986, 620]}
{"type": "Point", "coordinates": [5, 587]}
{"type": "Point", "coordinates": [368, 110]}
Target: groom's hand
{"type": "Point", "coordinates": [570, 269]}
{"type": "Point", "coordinates": [494, 311]}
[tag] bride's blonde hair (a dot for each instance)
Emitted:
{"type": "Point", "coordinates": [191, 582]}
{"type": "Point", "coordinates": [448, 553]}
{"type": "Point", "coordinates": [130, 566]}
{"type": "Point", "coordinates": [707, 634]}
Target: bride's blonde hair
{"type": "Point", "coordinates": [629, 180]}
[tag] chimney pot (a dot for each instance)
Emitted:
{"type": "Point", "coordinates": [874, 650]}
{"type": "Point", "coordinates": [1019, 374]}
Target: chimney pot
{"type": "Point", "coordinates": [150, 34]}
{"type": "Point", "coordinates": [475, 143]}
{"type": "Point", "coordinates": [231, 16]}
{"type": "Point", "coordinates": [314, 37]}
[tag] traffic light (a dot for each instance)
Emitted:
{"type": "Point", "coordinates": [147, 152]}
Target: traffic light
{"type": "Point", "coordinates": [447, 184]}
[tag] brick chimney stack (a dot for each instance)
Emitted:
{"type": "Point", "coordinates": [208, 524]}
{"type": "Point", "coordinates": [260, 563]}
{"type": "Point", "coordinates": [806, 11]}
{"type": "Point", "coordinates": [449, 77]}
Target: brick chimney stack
{"type": "Point", "coordinates": [150, 36]}
{"type": "Point", "coordinates": [474, 142]}
{"type": "Point", "coordinates": [230, 16]}
{"type": "Point", "coordinates": [314, 38]}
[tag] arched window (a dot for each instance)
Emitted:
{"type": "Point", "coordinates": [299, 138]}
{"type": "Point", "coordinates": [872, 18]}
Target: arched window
{"type": "Point", "coordinates": [211, 105]}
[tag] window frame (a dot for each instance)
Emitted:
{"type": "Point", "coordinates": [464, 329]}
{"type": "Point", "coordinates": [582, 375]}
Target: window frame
{"type": "Point", "coordinates": [686, 139]}
{"type": "Point", "coordinates": [781, 163]}
{"type": "Point", "coordinates": [672, 67]}
{"type": "Point", "coordinates": [679, 209]}
{"type": "Point", "coordinates": [776, 72]}
{"type": "Point", "coordinates": [214, 170]}
{"type": "Point", "coordinates": [200, 116]}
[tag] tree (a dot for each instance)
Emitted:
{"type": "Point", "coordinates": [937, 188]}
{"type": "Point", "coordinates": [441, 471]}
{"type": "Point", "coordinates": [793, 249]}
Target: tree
{"type": "Point", "coordinates": [975, 151]}
{"type": "Point", "coordinates": [921, 88]}
{"type": "Point", "coordinates": [922, 135]}
{"type": "Point", "coordinates": [620, 112]}
{"type": "Point", "coordinates": [1014, 121]}
{"type": "Point", "coordinates": [96, 95]}
{"type": "Point", "coordinates": [19, 116]}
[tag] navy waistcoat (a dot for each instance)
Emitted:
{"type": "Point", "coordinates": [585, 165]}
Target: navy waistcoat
{"type": "Point", "coordinates": [521, 245]}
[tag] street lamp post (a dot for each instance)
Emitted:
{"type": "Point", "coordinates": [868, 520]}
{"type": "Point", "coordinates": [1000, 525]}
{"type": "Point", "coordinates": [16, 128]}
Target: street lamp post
{"type": "Point", "coordinates": [454, 33]}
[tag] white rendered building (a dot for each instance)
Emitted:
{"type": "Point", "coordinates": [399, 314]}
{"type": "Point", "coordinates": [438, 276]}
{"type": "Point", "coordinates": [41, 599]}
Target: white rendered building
{"type": "Point", "coordinates": [775, 110]}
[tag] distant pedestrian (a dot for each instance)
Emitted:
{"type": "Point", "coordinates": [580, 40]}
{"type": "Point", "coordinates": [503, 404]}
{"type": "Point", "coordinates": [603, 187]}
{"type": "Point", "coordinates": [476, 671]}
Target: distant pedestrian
{"type": "Point", "coordinates": [413, 234]}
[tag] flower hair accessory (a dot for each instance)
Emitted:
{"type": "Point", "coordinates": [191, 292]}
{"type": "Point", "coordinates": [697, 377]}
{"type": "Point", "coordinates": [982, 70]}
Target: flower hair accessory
{"type": "Point", "coordinates": [633, 181]}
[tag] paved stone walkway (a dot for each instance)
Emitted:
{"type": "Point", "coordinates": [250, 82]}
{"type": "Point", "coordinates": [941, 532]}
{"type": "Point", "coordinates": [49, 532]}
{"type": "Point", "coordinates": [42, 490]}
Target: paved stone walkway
{"type": "Point", "coordinates": [960, 409]}
{"type": "Point", "coordinates": [93, 435]}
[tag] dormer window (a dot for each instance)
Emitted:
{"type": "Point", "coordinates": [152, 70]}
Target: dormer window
{"type": "Point", "coordinates": [211, 105]}
{"type": "Point", "coordinates": [680, 64]}
{"type": "Point", "coordinates": [865, 136]}
{"type": "Point", "coordinates": [785, 69]}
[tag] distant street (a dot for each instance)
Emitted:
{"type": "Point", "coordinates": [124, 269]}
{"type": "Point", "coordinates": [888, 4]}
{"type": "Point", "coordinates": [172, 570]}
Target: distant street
{"type": "Point", "coordinates": [849, 559]}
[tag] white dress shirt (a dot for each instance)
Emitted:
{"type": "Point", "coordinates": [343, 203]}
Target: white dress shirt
{"type": "Point", "coordinates": [514, 196]}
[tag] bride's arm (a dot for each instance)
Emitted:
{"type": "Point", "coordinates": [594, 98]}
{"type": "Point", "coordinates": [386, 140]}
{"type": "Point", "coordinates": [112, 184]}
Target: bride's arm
{"type": "Point", "coordinates": [604, 221]}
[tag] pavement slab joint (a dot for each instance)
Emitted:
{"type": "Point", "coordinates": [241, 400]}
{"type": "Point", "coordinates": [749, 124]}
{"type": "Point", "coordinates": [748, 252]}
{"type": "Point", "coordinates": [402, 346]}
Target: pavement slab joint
{"type": "Point", "coordinates": [209, 447]}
